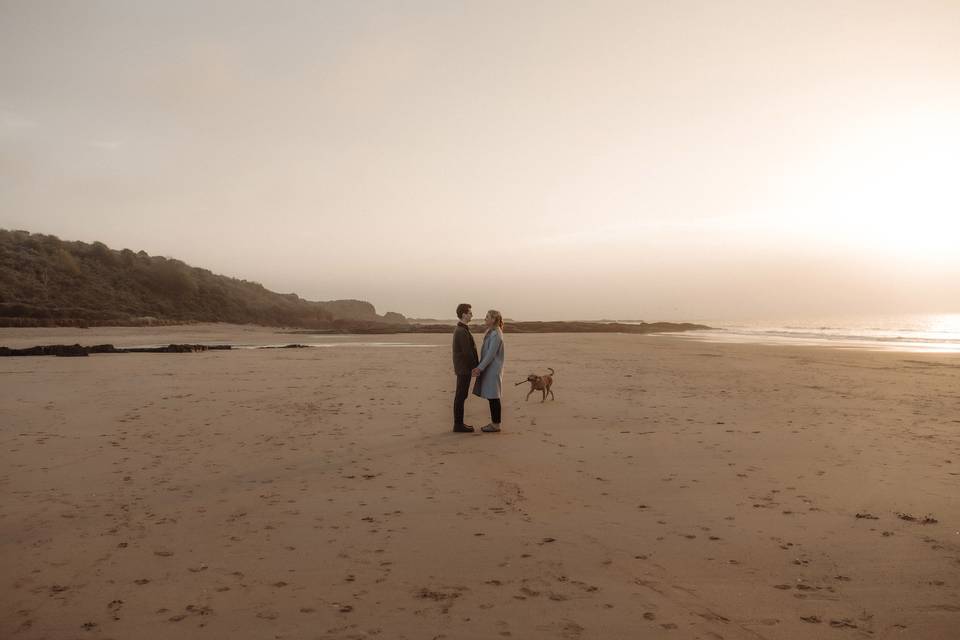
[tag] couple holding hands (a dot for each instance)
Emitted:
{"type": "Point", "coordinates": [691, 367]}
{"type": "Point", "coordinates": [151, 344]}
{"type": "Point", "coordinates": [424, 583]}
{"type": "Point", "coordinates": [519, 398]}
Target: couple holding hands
{"type": "Point", "coordinates": [487, 368]}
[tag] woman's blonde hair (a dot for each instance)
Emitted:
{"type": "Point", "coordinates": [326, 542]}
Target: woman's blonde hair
{"type": "Point", "coordinates": [498, 317]}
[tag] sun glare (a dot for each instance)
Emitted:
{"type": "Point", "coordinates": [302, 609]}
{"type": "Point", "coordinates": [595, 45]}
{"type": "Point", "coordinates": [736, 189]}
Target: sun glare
{"type": "Point", "coordinates": [947, 323]}
{"type": "Point", "coordinates": [892, 186]}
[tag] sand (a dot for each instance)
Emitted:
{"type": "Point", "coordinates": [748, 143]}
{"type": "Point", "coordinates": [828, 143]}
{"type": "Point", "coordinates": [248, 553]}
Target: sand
{"type": "Point", "coordinates": [674, 489]}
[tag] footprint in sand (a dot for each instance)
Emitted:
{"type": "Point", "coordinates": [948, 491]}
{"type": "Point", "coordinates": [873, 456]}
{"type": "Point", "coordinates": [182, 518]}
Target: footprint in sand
{"type": "Point", "coordinates": [114, 606]}
{"type": "Point", "coordinates": [843, 623]}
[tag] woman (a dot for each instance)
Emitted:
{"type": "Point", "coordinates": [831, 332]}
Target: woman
{"type": "Point", "coordinates": [490, 370]}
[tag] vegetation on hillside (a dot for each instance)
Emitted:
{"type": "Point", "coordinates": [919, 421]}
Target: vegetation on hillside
{"type": "Point", "coordinates": [45, 281]}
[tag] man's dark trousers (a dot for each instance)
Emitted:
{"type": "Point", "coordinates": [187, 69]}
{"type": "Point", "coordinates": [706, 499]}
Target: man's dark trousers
{"type": "Point", "coordinates": [463, 389]}
{"type": "Point", "coordinates": [464, 360]}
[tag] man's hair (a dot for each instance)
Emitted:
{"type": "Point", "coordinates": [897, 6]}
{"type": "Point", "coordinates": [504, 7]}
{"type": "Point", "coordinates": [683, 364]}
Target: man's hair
{"type": "Point", "coordinates": [463, 308]}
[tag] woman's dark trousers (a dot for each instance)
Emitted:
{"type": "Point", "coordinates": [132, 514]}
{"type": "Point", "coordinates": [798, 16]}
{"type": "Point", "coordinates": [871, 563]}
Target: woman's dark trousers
{"type": "Point", "coordinates": [495, 410]}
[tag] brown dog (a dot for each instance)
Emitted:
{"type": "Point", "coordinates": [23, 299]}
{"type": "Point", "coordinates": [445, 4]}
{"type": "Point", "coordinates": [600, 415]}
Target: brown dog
{"type": "Point", "coordinates": [540, 383]}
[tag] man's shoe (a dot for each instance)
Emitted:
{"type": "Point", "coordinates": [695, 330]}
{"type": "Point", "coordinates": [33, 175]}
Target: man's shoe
{"type": "Point", "coordinates": [463, 428]}
{"type": "Point", "coordinates": [491, 428]}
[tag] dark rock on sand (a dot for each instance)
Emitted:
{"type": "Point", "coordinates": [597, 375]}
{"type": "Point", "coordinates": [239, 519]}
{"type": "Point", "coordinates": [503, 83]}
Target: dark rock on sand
{"type": "Point", "coordinates": [75, 350]}
{"type": "Point", "coordinates": [285, 346]}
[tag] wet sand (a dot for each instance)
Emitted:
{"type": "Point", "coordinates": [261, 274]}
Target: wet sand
{"type": "Point", "coordinates": [674, 489]}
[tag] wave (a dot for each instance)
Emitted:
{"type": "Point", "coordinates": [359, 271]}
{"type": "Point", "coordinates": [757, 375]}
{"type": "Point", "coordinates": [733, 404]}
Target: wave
{"type": "Point", "coordinates": [849, 336]}
{"type": "Point", "coordinates": [924, 334]}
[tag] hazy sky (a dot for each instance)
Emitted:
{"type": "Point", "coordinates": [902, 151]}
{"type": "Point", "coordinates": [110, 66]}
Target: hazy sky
{"type": "Point", "coordinates": [656, 160]}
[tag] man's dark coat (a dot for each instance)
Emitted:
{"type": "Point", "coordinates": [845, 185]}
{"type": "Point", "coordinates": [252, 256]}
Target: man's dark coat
{"type": "Point", "coordinates": [464, 350]}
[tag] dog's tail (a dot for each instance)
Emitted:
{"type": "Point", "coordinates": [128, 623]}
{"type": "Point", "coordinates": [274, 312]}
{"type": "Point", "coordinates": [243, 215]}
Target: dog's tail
{"type": "Point", "coordinates": [551, 371]}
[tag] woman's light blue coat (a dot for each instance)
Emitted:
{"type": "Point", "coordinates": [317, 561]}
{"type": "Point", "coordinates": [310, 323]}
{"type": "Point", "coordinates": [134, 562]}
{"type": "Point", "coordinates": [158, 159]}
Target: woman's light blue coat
{"type": "Point", "coordinates": [491, 366]}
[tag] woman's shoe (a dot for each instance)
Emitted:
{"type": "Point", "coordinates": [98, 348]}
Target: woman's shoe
{"type": "Point", "coordinates": [491, 428]}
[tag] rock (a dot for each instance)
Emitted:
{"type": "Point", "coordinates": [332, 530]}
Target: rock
{"type": "Point", "coordinates": [75, 350]}
{"type": "Point", "coordinates": [394, 317]}
{"type": "Point", "coordinates": [350, 310]}
{"type": "Point", "coordinates": [71, 351]}
{"type": "Point", "coordinates": [102, 348]}
{"type": "Point", "coordinates": [286, 346]}
{"type": "Point", "coordinates": [63, 350]}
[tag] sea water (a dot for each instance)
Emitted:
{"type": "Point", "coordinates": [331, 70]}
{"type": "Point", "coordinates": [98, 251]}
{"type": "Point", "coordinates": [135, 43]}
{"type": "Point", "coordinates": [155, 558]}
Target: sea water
{"type": "Point", "coordinates": [938, 333]}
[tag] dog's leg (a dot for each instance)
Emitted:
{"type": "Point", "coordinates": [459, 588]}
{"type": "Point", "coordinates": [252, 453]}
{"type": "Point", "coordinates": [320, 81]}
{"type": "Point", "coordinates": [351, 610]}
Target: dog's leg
{"type": "Point", "coordinates": [528, 394]}
{"type": "Point", "coordinates": [553, 397]}
{"type": "Point", "coordinates": [544, 399]}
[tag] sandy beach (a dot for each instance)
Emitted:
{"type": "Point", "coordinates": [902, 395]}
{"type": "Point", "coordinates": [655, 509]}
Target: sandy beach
{"type": "Point", "coordinates": [674, 489]}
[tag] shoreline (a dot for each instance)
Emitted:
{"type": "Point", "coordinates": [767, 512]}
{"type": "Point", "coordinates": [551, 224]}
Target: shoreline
{"type": "Point", "coordinates": [217, 335]}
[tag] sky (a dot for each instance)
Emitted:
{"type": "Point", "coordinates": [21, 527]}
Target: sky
{"type": "Point", "coordinates": [687, 160]}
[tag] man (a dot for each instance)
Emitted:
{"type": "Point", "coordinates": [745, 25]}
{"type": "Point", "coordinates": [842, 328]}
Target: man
{"type": "Point", "coordinates": [464, 361]}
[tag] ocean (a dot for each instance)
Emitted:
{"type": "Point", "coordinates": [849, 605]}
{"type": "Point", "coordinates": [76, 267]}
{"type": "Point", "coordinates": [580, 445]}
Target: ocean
{"type": "Point", "coordinates": [935, 333]}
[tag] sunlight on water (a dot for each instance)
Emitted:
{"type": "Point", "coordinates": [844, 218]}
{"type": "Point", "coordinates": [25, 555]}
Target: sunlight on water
{"type": "Point", "coordinates": [935, 333]}
{"type": "Point", "coordinates": [945, 323]}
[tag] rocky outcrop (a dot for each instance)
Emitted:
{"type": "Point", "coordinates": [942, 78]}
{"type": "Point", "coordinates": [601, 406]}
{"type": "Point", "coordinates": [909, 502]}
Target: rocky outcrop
{"type": "Point", "coordinates": [394, 318]}
{"type": "Point", "coordinates": [60, 350]}
{"type": "Point", "coordinates": [74, 350]}
{"type": "Point", "coordinates": [375, 327]}
{"type": "Point", "coordinates": [350, 309]}
{"type": "Point", "coordinates": [176, 348]}
{"type": "Point", "coordinates": [285, 346]}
